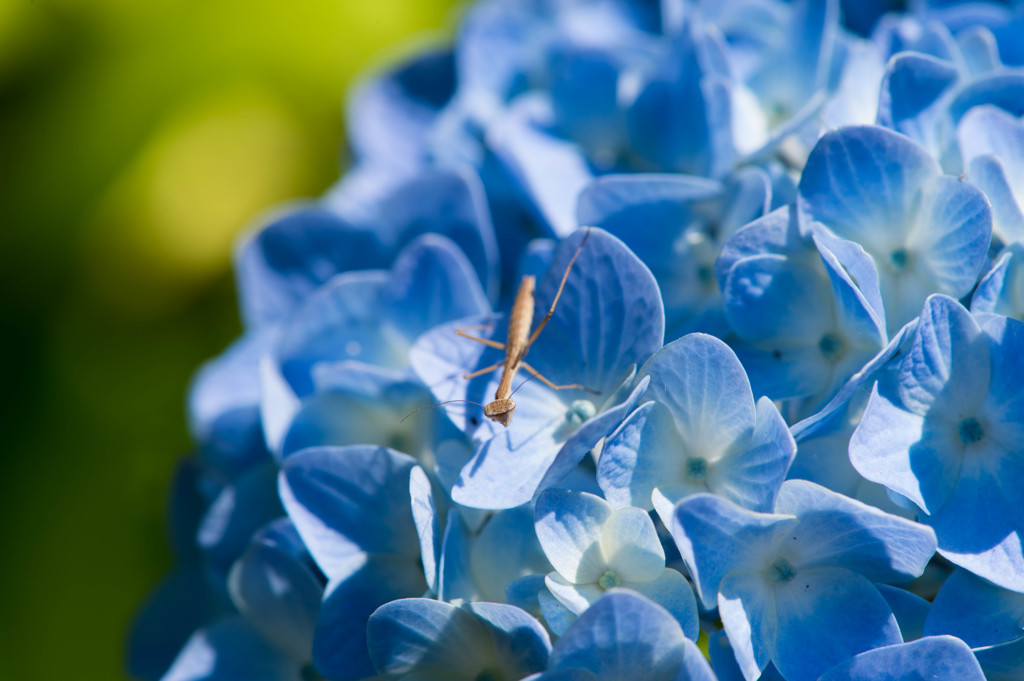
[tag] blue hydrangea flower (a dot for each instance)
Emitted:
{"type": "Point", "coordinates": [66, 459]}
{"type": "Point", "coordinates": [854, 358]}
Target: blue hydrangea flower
{"type": "Point", "coordinates": [608, 321]}
{"type": "Point", "coordinates": [806, 245]}
{"type": "Point", "coordinates": [594, 548]}
{"type": "Point", "coordinates": [703, 433]}
{"type": "Point", "coordinates": [805, 311]}
{"type": "Point", "coordinates": [926, 232]}
{"type": "Point", "coordinates": [794, 587]}
{"type": "Point", "coordinates": [944, 432]}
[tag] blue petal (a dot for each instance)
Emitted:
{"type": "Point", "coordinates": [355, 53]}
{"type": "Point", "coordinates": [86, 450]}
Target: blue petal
{"type": "Point", "coordinates": [518, 640]}
{"type": "Point", "coordinates": [425, 515]}
{"type": "Point", "coordinates": [388, 116]}
{"type": "Point", "coordinates": [504, 549]}
{"type": "Point", "coordinates": [895, 448]}
{"type": "Point", "coordinates": [609, 317]}
{"type": "Point", "coordinates": [953, 233]}
{"type": "Point", "coordinates": [589, 435]}
{"type": "Point", "coordinates": [753, 476]}
{"type": "Point", "coordinates": [989, 173]}
{"type": "Point", "coordinates": [1003, 662]}
{"type": "Point", "coordinates": [825, 616]}
{"type": "Point", "coordinates": [992, 147]}
{"type": "Point", "coordinates": [838, 405]}
{"type": "Point", "coordinates": [619, 634]}
{"type": "Point", "coordinates": [340, 321]}
{"type": "Point", "coordinates": [624, 204]}
{"type": "Point", "coordinates": [1004, 90]}
{"type": "Point", "coordinates": [223, 405]}
{"type": "Point", "coordinates": [678, 122]}
{"type": "Point", "coordinates": [749, 614]}
{"type": "Point", "coordinates": [507, 470]}
{"type": "Point", "coordinates": [278, 405]}
{"type": "Point", "coordinates": [417, 632]}
{"type": "Point", "coordinates": [976, 611]}
{"type": "Point", "coordinates": [179, 605]}
{"type": "Point", "coordinates": [431, 283]}
{"type": "Point", "coordinates": [364, 583]}
{"type": "Point", "coordinates": [349, 499]}
{"type": "Point", "coordinates": [979, 49]}
{"type": "Point", "coordinates": [861, 182]}
{"type": "Point", "coordinates": [778, 232]}
{"type": "Point", "coordinates": [284, 262]}
{"type": "Point", "coordinates": [838, 531]}
{"type": "Point", "coordinates": [705, 388]}
{"type": "Point", "coordinates": [524, 593]}
{"type": "Point", "coordinates": [912, 89]}
{"type": "Point", "coordinates": [949, 351]}
{"type": "Point", "coordinates": [639, 456]}
{"type": "Point", "coordinates": [672, 592]}
{"type": "Point", "coordinates": [771, 297]}
{"type": "Point", "coordinates": [569, 528]}
{"type": "Point", "coordinates": [374, 317]}
{"type": "Point", "coordinates": [979, 527]}
{"type": "Point", "coordinates": [909, 609]}
{"type": "Point", "coordinates": [242, 507]}
{"type": "Point", "coordinates": [549, 171]}
{"type": "Point", "coordinates": [716, 537]}
{"type": "Point", "coordinates": [848, 263]}
{"type": "Point", "coordinates": [278, 589]}
{"type": "Point", "coordinates": [430, 639]}
{"type": "Point", "coordinates": [937, 657]}
{"type": "Point", "coordinates": [584, 89]}
{"type": "Point", "coordinates": [448, 202]}
{"type": "Point", "coordinates": [493, 46]}
{"type": "Point", "coordinates": [455, 577]}
{"type": "Point", "coordinates": [229, 650]}
{"type": "Point", "coordinates": [341, 417]}
{"type": "Point", "coordinates": [563, 675]}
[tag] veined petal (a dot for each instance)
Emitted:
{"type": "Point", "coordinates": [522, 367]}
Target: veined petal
{"type": "Point", "coordinates": [569, 527]}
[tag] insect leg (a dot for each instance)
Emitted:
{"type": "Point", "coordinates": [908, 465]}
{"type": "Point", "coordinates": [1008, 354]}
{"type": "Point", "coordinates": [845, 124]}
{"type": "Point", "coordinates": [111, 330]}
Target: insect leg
{"type": "Point", "coordinates": [551, 385]}
{"type": "Point", "coordinates": [485, 370]}
{"type": "Point", "coordinates": [486, 341]}
{"type": "Point", "coordinates": [565, 277]}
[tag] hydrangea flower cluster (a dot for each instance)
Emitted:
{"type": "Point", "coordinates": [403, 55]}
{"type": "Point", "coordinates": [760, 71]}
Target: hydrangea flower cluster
{"type": "Point", "coordinates": [773, 428]}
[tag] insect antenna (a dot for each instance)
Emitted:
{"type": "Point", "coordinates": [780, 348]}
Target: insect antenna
{"type": "Point", "coordinates": [532, 376]}
{"type": "Point", "coordinates": [439, 404]}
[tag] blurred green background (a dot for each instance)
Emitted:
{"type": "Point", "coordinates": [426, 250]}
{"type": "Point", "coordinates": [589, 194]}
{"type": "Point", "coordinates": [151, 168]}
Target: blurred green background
{"type": "Point", "coordinates": [137, 138]}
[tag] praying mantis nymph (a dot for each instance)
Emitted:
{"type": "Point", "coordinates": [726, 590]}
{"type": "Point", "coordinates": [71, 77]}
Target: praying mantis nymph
{"type": "Point", "coordinates": [518, 344]}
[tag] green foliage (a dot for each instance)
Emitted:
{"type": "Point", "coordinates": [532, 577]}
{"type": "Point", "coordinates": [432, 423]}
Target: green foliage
{"type": "Point", "coordinates": [136, 140]}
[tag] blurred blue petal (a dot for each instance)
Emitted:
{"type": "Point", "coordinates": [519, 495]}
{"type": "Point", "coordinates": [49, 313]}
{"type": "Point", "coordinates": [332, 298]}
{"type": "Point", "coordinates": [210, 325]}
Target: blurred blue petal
{"type": "Point", "coordinates": [619, 634]}
{"type": "Point", "coordinates": [229, 650]}
{"type": "Point", "coordinates": [364, 582]}
{"type": "Point", "coordinates": [935, 657]}
{"type": "Point", "coordinates": [275, 585]}
{"type": "Point", "coordinates": [388, 115]}
{"type": "Point", "coordinates": [344, 500]}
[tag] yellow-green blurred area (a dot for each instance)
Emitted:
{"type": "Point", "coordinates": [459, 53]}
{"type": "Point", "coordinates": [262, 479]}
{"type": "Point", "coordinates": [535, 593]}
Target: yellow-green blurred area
{"type": "Point", "coordinates": [137, 139]}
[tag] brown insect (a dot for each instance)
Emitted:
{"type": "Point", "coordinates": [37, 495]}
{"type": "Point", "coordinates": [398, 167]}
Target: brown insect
{"type": "Point", "coordinates": [518, 344]}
